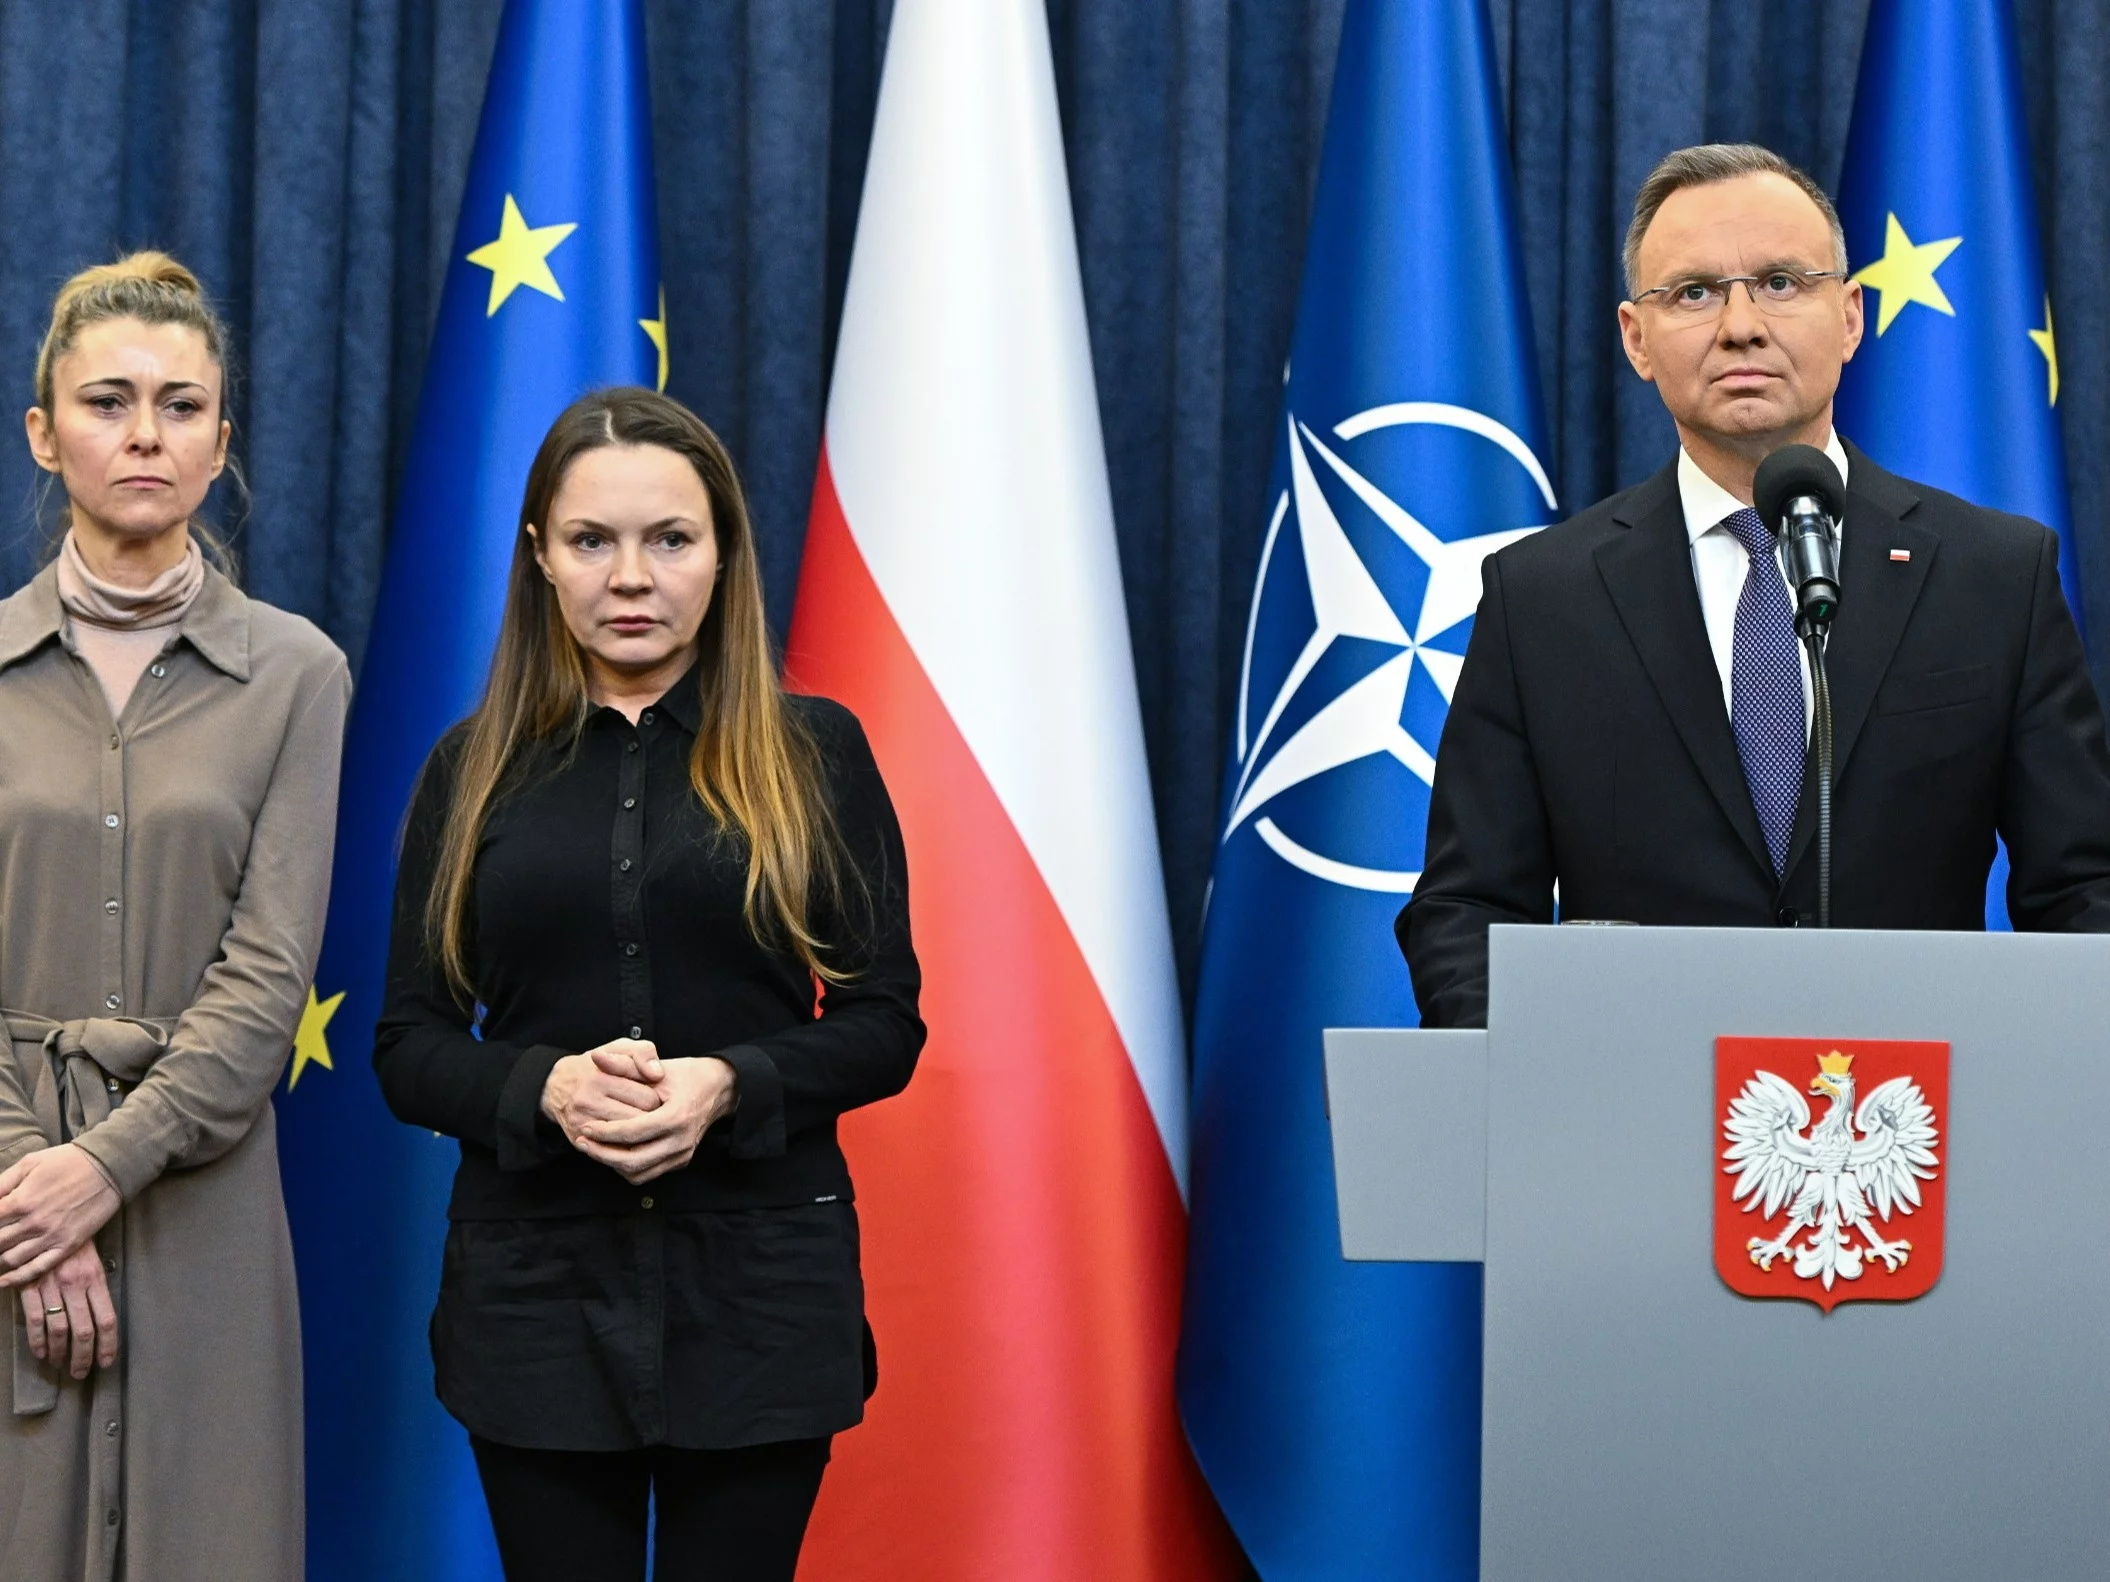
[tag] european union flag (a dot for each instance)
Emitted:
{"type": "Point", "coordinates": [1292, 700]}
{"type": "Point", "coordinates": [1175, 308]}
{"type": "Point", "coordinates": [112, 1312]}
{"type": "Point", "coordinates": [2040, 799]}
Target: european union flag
{"type": "Point", "coordinates": [1334, 1406]}
{"type": "Point", "coordinates": [1956, 383]}
{"type": "Point", "coordinates": [552, 290]}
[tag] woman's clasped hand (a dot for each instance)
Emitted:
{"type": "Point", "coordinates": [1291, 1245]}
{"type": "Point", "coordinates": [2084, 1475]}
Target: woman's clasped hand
{"type": "Point", "coordinates": [51, 1206]}
{"type": "Point", "coordinates": [622, 1106]}
{"type": "Point", "coordinates": [50, 1203]}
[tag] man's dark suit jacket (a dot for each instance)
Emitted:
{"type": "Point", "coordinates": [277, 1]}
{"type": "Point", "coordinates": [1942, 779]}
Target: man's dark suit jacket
{"type": "Point", "coordinates": [1588, 743]}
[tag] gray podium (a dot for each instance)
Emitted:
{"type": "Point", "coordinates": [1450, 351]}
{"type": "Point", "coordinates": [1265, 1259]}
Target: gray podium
{"type": "Point", "coordinates": [1641, 1420]}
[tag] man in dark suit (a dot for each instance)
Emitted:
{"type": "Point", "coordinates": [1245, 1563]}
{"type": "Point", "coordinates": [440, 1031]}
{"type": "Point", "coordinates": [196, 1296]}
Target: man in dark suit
{"type": "Point", "coordinates": [1630, 723]}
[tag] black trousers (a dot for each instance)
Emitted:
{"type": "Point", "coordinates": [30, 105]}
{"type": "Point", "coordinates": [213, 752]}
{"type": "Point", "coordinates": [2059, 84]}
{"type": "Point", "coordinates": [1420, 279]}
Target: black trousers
{"type": "Point", "coordinates": [723, 1515]}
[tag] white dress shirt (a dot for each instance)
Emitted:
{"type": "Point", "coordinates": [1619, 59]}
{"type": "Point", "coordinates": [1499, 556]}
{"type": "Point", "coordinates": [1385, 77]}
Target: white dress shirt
{"type": "Point", "coordinates": [1720, 563]}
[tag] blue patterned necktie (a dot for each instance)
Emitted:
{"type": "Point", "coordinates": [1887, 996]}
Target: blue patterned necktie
{"type": "Point", "coordinates": [1765, 688]}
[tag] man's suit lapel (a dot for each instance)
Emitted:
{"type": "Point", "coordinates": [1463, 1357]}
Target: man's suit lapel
{"type": "Point", "coordinates": [1876, 598]}
{"type": "Point", "coordinates": [1648, 571]}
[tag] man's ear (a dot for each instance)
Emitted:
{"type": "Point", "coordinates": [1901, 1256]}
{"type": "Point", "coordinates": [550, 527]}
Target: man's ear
{"type": "Point", "coordinates": [1856, 324]}
{"type": "Point", "coordinates": [1631, 339]}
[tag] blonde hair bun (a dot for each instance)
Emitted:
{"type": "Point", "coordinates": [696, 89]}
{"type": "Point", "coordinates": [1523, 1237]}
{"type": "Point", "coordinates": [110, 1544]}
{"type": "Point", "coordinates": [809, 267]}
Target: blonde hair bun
{"type": "Point", "coordinates": [150, 265]}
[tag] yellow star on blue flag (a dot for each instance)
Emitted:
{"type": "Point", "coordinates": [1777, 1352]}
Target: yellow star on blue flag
{"type": "Point", "coordinates": [311, 1045]}
{"type": "Point", "coordinates": [520, 257]}
{"type": "Point", "coordinates": [1905, 275]}
{"type": "Point", "coordinates": [656, 331]}
{"type": "Point", "coordinates": [2050, 348]}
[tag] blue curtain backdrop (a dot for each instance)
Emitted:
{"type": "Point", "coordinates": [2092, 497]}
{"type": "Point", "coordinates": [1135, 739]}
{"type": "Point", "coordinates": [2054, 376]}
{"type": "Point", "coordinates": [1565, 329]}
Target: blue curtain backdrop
{"type": "Point", "coordinates": [307, 157]}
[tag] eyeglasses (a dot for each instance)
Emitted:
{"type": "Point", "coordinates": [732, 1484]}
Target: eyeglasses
{"type": "Point", "coordinates": [1699, 298]}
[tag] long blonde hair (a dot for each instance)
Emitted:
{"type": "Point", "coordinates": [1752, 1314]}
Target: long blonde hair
{"type": "Point", "coordinates": [755, 767]}
{"type": "Point", "coordinates": [153, 288]}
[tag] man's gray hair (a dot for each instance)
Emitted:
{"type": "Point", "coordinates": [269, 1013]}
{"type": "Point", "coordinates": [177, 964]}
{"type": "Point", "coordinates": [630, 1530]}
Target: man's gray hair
{"type": "Point", "coordinates": [1704, 164]}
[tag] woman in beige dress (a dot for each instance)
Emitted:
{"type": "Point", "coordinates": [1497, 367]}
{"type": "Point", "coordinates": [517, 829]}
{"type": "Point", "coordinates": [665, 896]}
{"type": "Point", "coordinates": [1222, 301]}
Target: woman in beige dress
{"type": "Point", "coordinates": [168, 784]}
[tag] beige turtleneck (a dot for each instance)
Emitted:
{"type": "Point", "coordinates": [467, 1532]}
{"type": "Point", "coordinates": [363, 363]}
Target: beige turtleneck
{"type": "Point", "coordinates": [120, 631]}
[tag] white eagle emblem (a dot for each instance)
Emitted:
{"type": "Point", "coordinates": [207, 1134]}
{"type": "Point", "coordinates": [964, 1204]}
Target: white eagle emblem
{"type": "Point", "coordinates": [1835, 1182]}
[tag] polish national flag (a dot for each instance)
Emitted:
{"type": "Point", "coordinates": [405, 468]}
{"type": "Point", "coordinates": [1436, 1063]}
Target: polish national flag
{"type": "Point", "coordinates": [1023, 1202]}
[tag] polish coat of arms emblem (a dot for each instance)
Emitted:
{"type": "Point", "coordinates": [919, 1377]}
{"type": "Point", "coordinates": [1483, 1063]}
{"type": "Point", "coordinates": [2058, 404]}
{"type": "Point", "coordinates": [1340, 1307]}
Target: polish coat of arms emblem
{"type": "Point", "coordinates": [1845, 1207]}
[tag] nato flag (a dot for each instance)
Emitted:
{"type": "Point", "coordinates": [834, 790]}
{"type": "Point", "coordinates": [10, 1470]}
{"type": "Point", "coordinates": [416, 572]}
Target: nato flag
{"type": "Point", "coordinates": [1334, 1406]}
{"type": "Point", "coordinates": [1956, 383]}
{"type": "Point", "coordinates": [552, 289]}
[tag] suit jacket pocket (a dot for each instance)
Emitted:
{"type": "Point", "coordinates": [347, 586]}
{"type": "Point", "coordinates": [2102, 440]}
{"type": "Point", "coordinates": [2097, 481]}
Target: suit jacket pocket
{"type": "Point", "coordinates": [1933, 689]}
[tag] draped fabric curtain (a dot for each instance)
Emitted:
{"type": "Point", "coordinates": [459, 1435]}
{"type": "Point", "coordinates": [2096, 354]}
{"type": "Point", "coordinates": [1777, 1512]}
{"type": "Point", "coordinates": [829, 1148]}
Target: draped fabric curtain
{"type": "Point", "coordinates": [307, 158]}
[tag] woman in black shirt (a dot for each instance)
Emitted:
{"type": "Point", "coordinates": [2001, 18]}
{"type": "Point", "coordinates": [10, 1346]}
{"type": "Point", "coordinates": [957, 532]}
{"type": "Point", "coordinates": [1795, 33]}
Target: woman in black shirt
{"type": "Point", "coordinates": [628, 883]}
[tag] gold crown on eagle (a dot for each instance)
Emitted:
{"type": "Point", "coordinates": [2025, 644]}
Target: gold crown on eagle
{"type": "Point", "coordinates": [1835, 1064]}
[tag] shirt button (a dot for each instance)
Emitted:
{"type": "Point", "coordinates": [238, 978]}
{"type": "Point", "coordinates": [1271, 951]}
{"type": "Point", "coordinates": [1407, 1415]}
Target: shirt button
{"type": "Point", "coordinates": [110, 907]}
{"type": "Point", "coordinates": [1788, 917]}
{"type": "Point", "coordinates": [109, 821]}
{"type": "Point", "coordinates": [110, 1264]}
{"type": "Point", "coordinates": [112, 1001]}
{"type": "Point", "coordinates": [645, 718]}
{"type": "Point", "coordinates": [624, 865]}
{"type": "Point", "coordinates": [629, 801]}
{"type": "Point", "coordinates": [637, 1032]}
{"type": "Point", "coordinates": [115, 743]}
{"type": "Point", "coordinates": [110, 1430]}
{"type": "Point", "coordinates": [109, 1518]}
{"type": "Point", "coordinates": [630, 950]}
{"type": "Point", "coordinates": [631, 748]}
{"type": "Point", "coordinates": [157, 671]}
{"type": "Point", "coordinates": [644, 1202]}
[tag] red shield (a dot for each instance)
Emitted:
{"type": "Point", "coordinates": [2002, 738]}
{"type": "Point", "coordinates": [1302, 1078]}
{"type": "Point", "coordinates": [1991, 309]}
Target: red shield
{"type": "Point", "coordinates": [1831, 1166]}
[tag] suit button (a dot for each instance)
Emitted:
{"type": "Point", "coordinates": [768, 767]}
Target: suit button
{"type": "Point", "coordinates": [1788, 917]}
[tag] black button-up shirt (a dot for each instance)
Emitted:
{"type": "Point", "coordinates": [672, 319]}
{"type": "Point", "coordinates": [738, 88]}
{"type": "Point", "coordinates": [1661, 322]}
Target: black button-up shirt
{"type": "Point", "coordinates": [719, 1304]}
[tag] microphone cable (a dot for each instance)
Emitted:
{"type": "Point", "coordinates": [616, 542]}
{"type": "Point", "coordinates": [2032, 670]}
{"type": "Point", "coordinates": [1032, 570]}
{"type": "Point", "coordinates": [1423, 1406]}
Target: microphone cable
{"type": "Point", "coordinates": [1821, 740]}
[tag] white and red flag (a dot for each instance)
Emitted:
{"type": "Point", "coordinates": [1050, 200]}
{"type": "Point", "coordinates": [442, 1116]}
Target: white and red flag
{"type": "Point", "coordinates": [1023, 1202]}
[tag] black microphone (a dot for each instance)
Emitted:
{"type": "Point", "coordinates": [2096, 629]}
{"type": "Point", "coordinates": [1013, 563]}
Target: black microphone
{"type": "Point", "coordinates": [1798, 493]}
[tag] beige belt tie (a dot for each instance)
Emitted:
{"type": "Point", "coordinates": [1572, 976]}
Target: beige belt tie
{"type": "Point", "coordinates": [77, 1073]}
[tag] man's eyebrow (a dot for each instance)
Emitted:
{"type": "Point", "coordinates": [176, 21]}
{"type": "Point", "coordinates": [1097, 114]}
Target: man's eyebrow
{"type": "Point", "coordinates": [1757, 271]}
{"type": "Point", "coordinates": [1765, 268]}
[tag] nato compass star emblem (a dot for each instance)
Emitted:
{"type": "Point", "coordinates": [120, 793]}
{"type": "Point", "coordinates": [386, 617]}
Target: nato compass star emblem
{"type": "Point", "coordinates": [1357, 668]}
